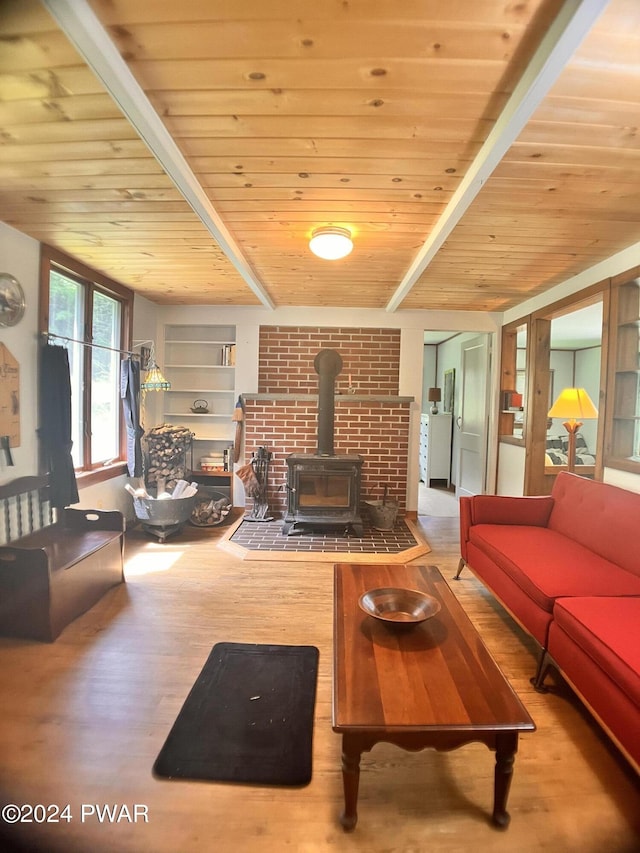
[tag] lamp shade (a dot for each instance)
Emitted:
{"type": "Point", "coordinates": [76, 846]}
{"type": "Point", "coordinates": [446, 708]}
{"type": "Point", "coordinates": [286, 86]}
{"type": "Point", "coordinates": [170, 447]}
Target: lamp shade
{"type": "Point", "coordinates": [573, 404]}
{"type": "Point", "coordinates": [434, 395]}
{"type": "Point", "coordinates": [331, 243]}
{"type": "Point", "coordinates": [153, 379]}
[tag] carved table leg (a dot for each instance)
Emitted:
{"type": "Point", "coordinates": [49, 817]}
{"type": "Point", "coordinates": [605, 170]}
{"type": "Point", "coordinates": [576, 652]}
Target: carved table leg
{"type": "Point", "coordinates": [350, 781]}
{"type": "Point", "coordinates": [506, 748]}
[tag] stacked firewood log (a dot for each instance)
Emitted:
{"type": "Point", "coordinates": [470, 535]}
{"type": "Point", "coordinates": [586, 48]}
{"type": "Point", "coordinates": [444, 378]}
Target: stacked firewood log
{"type": "Point", "coordinates": [167, 449]}
{"type": "Point", "coordinates": [209, 512]}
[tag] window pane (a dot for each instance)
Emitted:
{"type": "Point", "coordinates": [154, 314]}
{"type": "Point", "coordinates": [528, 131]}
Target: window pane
{"type": "Point", "coordinates": [513, 381]}
{"type": "Point", "coordinates": [105, 384]}
{"type": "Point", "coordinates": [66, 313]}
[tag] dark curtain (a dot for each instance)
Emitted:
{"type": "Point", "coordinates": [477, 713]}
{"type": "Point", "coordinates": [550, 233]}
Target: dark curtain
{"type": "Point", "coordinates": [55, 429]}
{"type": "Point", "coordinates": [130, 393]}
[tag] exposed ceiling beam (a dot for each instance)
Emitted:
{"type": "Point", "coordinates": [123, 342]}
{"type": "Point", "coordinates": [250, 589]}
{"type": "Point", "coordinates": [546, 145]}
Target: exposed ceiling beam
{"type": "Point", "coordinates": [556, 48]}
{"type": "Point", "coordinates": [84, 30]}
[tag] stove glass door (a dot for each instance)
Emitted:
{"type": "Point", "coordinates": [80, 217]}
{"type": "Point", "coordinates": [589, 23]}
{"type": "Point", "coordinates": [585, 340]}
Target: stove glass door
{"type": "Point", "coordinates": [323, 489]}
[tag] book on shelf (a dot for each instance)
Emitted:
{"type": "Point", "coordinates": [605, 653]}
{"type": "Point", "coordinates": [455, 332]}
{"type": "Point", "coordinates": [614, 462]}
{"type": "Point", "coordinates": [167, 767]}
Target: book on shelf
{"type": "Point", "coordinates": [228, 355]}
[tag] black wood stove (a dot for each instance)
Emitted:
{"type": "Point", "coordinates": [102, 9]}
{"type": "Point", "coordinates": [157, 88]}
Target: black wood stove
{"type": "Point", "coordinates": [324, 488]}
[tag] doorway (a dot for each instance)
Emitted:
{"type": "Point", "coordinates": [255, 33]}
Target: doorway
{"type": "Point", "coordinates": [444, 363]}
{"type": "Point", "coordinates": [472, 423]}
{"type": "Point", "coordinates": [567, 354]}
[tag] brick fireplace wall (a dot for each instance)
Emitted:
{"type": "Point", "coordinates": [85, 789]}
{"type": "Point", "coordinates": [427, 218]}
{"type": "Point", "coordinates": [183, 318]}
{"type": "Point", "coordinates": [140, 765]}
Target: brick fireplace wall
{"type": "Point", "coordinates": [371, 357]}
{"type": "Point", "coordinates": [372, 423]}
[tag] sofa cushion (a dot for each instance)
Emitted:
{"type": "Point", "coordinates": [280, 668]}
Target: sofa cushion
{"type": "Point", "coordinates": [547, 565]}
{"type": "Point", "coordinates": [606, 630]}
{"type": "Point", "coordinates": [599, 516]}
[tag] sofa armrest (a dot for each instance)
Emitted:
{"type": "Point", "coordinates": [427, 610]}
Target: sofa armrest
{"type": "Point", "coordinates": [533, 511]}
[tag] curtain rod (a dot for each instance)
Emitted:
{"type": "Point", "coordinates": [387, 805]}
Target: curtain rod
{"type": "Point", "coordinates": [50, 335]}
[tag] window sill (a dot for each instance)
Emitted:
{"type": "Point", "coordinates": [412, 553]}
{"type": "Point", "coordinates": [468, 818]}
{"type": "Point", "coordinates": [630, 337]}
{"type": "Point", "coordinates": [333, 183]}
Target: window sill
{"type": "Point", "coordinates": [512, 439]}
{"type": "Point", "coordinates": [630, 465]}
{"type": "Point", "coordinates": [100, 475]}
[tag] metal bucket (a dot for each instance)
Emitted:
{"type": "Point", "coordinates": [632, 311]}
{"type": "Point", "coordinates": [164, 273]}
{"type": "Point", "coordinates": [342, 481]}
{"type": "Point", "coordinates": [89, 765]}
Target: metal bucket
{"type": "Point", "coordinates": [164, 512]}
{"type": "Point", "coordinates": [163, 517]}
{"type": "Point", "coordinates": [383, 514]}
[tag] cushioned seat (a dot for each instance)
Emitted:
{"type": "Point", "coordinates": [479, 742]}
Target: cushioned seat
{"type": "Point", "coordinates": [547, 565]}
{"type": "Point", "coordinates": [606, 629]}
{"type": "Point", "coordinates": [567, 569]}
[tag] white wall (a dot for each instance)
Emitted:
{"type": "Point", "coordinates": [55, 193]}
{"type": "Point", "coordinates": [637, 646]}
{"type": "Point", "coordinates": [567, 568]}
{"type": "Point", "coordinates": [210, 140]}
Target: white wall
{"type": "Point", "coordinates": [20, 257]}
{"type": "Point", "coordinates": [587, 376]}
{"type": "Point", "coordinates": [510, 479]}
{"type": "Point", "coordinates": [622, 478]}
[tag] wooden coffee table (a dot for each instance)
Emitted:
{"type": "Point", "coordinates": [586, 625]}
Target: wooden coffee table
{"type": "Point", "coordinates": [434, 685]}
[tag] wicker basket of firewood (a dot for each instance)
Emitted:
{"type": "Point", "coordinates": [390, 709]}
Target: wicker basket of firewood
{"type": "Point", "coordinates": [211, 508]}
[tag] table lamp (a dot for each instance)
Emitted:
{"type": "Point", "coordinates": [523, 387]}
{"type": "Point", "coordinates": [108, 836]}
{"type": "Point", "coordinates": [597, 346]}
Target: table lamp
{"type": "Point", "coordinates": [575, 405]}
{"type": "Point", "coordinates": [434, 396]}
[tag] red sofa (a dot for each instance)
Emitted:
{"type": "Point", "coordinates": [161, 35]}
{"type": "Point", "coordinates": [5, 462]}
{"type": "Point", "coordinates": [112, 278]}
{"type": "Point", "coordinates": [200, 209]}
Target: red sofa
{"type": "Point", "coordinates": [567, 568]}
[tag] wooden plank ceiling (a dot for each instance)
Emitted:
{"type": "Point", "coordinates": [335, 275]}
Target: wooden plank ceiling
{"type": "Point", "coordinates": [294, 114]}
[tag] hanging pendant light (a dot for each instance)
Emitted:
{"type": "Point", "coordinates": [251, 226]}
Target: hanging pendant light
{"type": "Point", "coordinates": [154, 380]}
{"type": "Point", "coordinates": [331, 242]}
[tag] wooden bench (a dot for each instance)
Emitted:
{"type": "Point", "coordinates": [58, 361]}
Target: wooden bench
{"type": "Point", "coordinates": [54, 564]}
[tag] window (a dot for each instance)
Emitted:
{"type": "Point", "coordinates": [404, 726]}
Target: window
{"type": "Point", "coordinates": [80, 306]}
{"type": "Point", "coordinates": [513, 393]}
{"type": "Point", "coordinates": [563, 342]}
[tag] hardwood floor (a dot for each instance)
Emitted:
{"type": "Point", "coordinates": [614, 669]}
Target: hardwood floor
{"type": "Point", "coordinates": [82, 720]}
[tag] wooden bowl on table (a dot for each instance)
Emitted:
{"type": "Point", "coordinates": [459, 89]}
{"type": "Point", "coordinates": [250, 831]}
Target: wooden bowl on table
{"type": "Point", "coordinates": [399, 608]}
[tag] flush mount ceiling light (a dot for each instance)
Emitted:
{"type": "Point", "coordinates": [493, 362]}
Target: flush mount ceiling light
{"type": "Point", "coordinates": [331, 243]}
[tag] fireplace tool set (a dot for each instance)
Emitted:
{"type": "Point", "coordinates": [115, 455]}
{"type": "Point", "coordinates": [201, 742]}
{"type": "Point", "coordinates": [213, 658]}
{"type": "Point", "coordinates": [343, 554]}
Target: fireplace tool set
{"type": "Point", "coordinates": [255, 477]}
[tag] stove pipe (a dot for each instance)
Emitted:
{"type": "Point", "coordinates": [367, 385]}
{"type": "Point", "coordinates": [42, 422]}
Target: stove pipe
{"type": "Point", "coordinates": [328, 365]}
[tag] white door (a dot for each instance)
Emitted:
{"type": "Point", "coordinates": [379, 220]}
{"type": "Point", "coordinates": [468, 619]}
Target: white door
{"type": "Point", "coordinates": [472, 421]}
